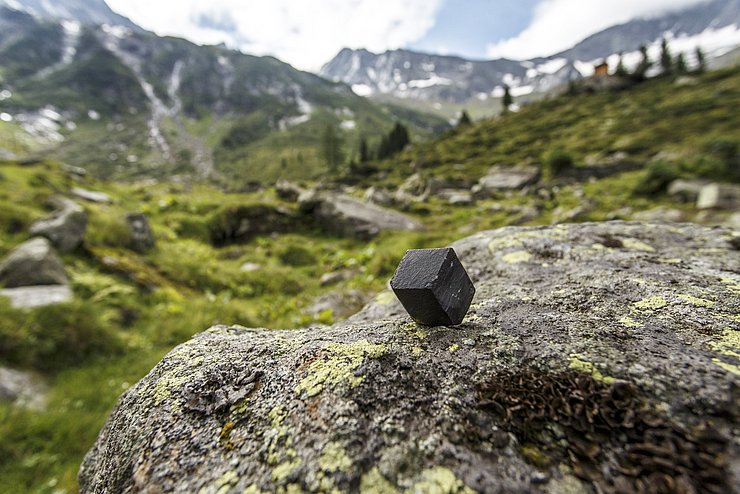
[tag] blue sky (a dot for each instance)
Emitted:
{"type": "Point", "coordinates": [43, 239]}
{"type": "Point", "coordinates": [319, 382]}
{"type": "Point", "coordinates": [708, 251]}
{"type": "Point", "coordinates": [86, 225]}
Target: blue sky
{"type": "Point", "coordinates": [482, 21]}
{"type": "Point", "coordinates": [308, 33]}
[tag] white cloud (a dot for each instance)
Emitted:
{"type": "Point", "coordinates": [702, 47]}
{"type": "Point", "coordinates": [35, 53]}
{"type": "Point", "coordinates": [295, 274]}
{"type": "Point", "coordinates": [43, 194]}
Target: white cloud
{"type": "Point", "coordinates": [559, 24]}
{"type": "Point", "coordinates": [305, 33]}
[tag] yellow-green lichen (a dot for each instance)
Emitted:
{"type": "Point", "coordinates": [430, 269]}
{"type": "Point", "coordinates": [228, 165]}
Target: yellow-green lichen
{"type": "Point", "coordinates": [281, 472]}
{"type": "Point", "coordinates": [454, 347]}
{"type": "Point", "coordinates": [697, 302]}
{"type": "Point", "coordinates": [373, 482]}
{"type": "Point", "coordinates": [415, 330]}
{"type": "Point", "coordinates": [338, 366]}
{"type": "Point", "coordinates": [735, 369]}
{"type": "Point", "coordinates": [576, 363]}
{"type": "Point", "coordinates": [634, 244]}
{"type": "Point", "coordinates": [728, 345]}
{"type": "Point", "coordinates": [334, 458]}
{"type": "Point", "coordinates": [628, 322]}
{"type": "Point", "coordinates": [440, 480]}
{"type": "Point", "coordinates": [416, 351]}
{"type": "Point", "coordinates": [223, 484]}
{"type": "Point", "coordinates": [253, 489]}
{"type": "Point", "coordinates": [517, 257]}
{"type": "Point", "coordinates": [651, 303]}
{"type": "Point", "coordinates": [733, 285]}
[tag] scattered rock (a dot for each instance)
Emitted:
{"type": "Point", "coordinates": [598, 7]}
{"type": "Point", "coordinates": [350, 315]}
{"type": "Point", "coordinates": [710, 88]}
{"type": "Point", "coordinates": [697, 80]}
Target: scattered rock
{"type": "Point", "coordinates": [142, 237]}
{"type": "Point", "coordinates": [342, 304]}
{"type": "Point", "coordinates": [561, 215]}
{"type": "Point", "coordinates": [378, 196]}
{"type": "Point", "coordinates": [91, 196]}
{"type": "Point", "coordinates": [568, 373]}
{"type": "Point", "coordinates": [29, 297]}
{"type": "Point", "coordinates": [250, 267]}
{"type": "Point", "coordinates": [65, 227]}
{"type": "Point", "coordinates": [719, 196]}
{"type": "Point", "coordinates": [660, 214]}
{"type": "Point", "coordinates": [456, 197]}
{"type": "Point", "coordinates": [32, 263]}
{"type": "Point", "coordinates": [416, 188]}
{"type": "Point", "coordinates": [500, 178]}
{"type": "Point", "coordinates": [620, 214]}
{"type": "Point", "coordinates": [343, 215]}
{"type": "Point", "coordinates": [237, 224]}
{"type": "Point", "coordinates": [75, 172]}
{"type": "Point", "coordinates": [336, 277]}
{"type": "Point", "coordinates": [733, 221]}
{"type": "Point", "coordinates": [288, 191]}
{"type": "Point", "coordinates": [23, 389]}
{"type": "Point", "coordinates": [686, 190]}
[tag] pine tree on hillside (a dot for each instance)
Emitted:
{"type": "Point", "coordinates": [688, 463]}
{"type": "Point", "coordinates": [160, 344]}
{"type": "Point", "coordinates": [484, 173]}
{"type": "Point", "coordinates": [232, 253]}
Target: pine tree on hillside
{"type": "Point", "coordinates": [364, 151]}
{"type": "Point", "coordinates": [464, 120]}
{"type": "Point", "coordinates": [666, 60]}
{"type": "Point", "coordinates": [331, 148]}
{"type": "Point", "coordinates": [701, 63]}
{"type": "Point", "coordinates": [507, 100]}
{"type": "Point", "coordinates": [383, 149]}
{"type": "Point", "coordinates": [620, 70]}
{"type": "Point", "coordinates": [640, 72]}
{"type": "Point", "coordinates": [398, 139]}
{"type": "Point", "coordinates": [680, 67]}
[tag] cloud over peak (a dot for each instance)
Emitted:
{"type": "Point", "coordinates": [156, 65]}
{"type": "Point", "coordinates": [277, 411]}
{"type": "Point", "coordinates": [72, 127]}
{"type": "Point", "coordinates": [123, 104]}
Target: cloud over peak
{"type": "Point", "coordinates": [560, 24]}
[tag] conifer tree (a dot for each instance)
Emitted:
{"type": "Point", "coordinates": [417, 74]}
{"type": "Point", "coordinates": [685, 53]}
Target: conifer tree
{"type": "Point", "coordinates": [364, 151]}
{"type": "Point", "coordinates": [507, 100]}
{"type": "Point", "coordinates": [464, 120]}
{"type": "Point", "coordinates": [681, 64]}
{"type": "Point", "coordinates": [666, 60]}
{"type": "Point", "coordinates": [620, 70]}
{"type": "Point", "coordinates": [640, 72]}
{"type": "Point", "coordinates": [331, 147]}
{"type": "Point", "coordinates": [701, 63]}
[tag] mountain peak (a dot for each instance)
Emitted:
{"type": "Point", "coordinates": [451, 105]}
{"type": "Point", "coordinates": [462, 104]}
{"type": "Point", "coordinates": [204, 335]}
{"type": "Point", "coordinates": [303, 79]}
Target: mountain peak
{"type": "Point", "coordinates": [83, 11]}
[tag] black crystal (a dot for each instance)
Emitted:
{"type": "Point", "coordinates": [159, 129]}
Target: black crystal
{"type": "Point", "coordinates": [433, 287]}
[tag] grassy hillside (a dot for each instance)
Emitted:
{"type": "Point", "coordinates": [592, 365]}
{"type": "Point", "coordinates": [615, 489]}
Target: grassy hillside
{"type": "Point", "coordinates": [686, 122]}
{"type": "Point", "coordinates": [131, 308]}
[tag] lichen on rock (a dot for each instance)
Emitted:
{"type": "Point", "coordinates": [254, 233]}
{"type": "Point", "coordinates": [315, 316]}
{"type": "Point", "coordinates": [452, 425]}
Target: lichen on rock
{"type": "Point", "coordinates": [580, 370]}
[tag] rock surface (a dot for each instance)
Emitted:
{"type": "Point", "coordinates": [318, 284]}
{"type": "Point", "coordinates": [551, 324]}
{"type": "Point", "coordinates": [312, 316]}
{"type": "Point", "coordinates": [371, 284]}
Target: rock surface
{"type": "Point", "coordinates": [22, 388]}
{"type": "Point", "coordinates": [142, 237]}
{"type": "Point", "coordinates": [91, 196]}
{"type": "Point", "coordinates": [29, 297]}
{"type": "Point", "coordinates": [719, 196]}
{"type": "Point", "coordinates": [595, 358]}
{"type": "Point", "coordinates": [499, 178]}
{"type": "Point", "coordinates": [344, 215]}
{"type": "Point", "coordinates": [65, 227]}
{"type": "Point", "coordinates": [32, 263]}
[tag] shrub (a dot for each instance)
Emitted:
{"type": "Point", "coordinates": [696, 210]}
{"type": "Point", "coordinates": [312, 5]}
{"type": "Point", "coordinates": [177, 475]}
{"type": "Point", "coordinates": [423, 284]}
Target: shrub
{"type": "Point", "coordinates": [557, 161]}
{"type": "Point", "coordinates": [57, 336]}
{"type": "Point", "coordinates": [296, 256]}
{"type": "Point", "coordinates": [657, 176]}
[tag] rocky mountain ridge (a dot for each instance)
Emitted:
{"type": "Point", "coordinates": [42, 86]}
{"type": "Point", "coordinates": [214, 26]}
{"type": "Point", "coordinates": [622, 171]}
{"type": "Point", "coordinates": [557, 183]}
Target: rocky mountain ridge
{"type": "Point", "coordinates": [417, 76]}
{"type": "Point", "coordinates": [136, 104]}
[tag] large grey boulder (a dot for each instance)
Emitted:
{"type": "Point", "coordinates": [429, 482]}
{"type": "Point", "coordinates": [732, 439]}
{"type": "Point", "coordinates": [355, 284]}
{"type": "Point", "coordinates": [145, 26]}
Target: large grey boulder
{"type": "Point", "coordinates": [500, 178]}
{"type": "Point", "coordinates": [344, 215]}
{"type": "Point", "coordinates": [595, 358]}
{"type": "Point", "coordinates": [65, 227]}
{"type": "Point", "coordinates": [32, 263]}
